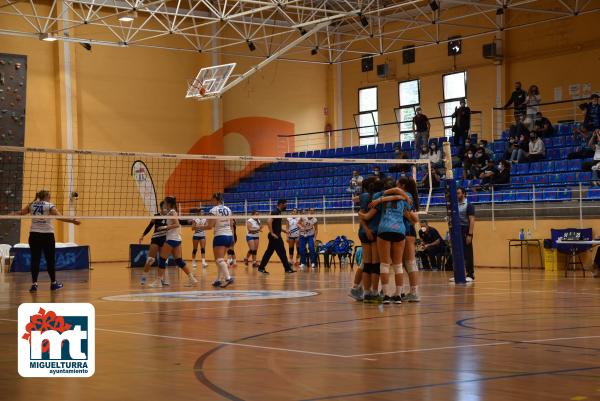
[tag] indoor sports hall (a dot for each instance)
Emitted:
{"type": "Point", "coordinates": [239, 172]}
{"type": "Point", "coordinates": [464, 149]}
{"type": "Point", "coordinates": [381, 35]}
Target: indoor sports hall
{"type": "Point", "coordinates": [300, 200]}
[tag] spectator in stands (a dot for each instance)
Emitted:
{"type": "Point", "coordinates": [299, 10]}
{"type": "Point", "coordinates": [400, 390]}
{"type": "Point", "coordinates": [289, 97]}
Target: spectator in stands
{"type": "Point", "coordinates": [537, 150]}
{"type": "Point", "coordinates": [420, 128]}
{"type": "Point", "coordinates": [591, 118]}
{"type": "Point", "coordinates": [542, 126]}
{"type": "Point", "coordinates": [433, 247]}
{"type": "Point", "coordinates": [488, 149]}
{"type": "Point", "coordinates": [377, 172]}
{"type": "Point", "coordinates": [468, 165]}
{"type": "Point", "coordinates": [355, 183]}
{"type": "Point", "coordinates": [518, 128]}
{"type": "Point", "coordinates": [587, 148]}
{"type": "Point", "coordinates": [532, 101]}
{"type": "Point", "coordinates": [517, 100]}
{"type": "Point", "coordinates": [399, 154]}
{"type": "Point", "coordinates": [594, 165]}
{"type": "Point", "coordinates": [462, 123]}
{"type": "Point", "coordinates": [488, 174]}
{"type": "Point", "coordinates": [503, 176]}
{"type": "Point", "coordinates": [435, 156]}
{"type": "Point", "coordinates": [520, 148]}
{"type": "Point", "coordinates": [462, 152]}
{"type": "Point", "coordinates": [480, 159]}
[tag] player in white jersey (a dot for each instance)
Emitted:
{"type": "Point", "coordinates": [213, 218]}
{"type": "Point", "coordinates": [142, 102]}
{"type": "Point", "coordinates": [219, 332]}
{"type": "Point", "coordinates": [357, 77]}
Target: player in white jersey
{"type": "Point", "coordinates": [223, 239]}
{"type": "Point", "coordinates": [172, 245]}
{"type": "Point", "coordinates": [308, 232]}
{"type": "Point", "coordinates": [198, 226]}
{"type": "Point", "coordinates": [253, 228]}
{"type": "Point", "coordinates": [41, 238]}
{"type": "Point", "coordinates": [293, 232]}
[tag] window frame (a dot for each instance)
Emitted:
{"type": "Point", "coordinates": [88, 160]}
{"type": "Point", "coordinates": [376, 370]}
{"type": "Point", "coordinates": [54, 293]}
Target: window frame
{"type": "Point", "coordinates": [408, 133]}
{"type": "Point", "coordinates": [375, 135]}
{"type": "Point", "coordinates": [448, 129]}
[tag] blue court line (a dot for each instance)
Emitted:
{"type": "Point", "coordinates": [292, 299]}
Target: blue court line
{"type": "Point", "coordinates": [450, 383]}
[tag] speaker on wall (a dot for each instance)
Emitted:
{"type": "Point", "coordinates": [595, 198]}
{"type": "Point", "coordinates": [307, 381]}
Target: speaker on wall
{"type": "Point", "coordinates": [367, 63]}
{"type": "Point", "coordinates": [382, 70]}
{"type": "Point", "coordinates": [489, 50]}
{"type": "Point", "coordinates": [408, 54]}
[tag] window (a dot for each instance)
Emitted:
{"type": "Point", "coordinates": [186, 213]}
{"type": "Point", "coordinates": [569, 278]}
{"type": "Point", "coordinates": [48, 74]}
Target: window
{"type": "Point", "coordinates": [410, 98]}
{"type": "Point", "coordinates": [455, 88]}
{"type": "Point", "coordinates": [367, 117]}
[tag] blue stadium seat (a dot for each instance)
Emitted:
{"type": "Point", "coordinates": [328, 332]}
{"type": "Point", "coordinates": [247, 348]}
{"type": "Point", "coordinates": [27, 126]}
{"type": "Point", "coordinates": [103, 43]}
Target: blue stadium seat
{"type": "Point", "coordinates": [583, 176]}
{"type": "Point", "coordinates": [548, 143]}
{"type": "Point", "coordinates": [558, 141]}
{"type": "Point", "coordinates": [522, 168]}
{"type": "Point", "coordinates": [574, 164]}
{"type": "Point", "coordinates": [549, 194]}
{"type": "Point", "coordinates": [553, 154]}
{"type": "Point", "coordinates": [505, 135]}
{"type": "Point", "coordinates": [564, 129]}
{"type": "Point", "coordinates": [499, 146]}
{"type": "Point", "coordinates": [523, 195]}
{"type": "Point", "coordinates": [593, 193]}
{"type": "Point", "coordinates": [535, 168]}
{"type": "Point", "coordinates": [406, 145]}
{"type": "Point", "coordinates": [484, 197]}
{"type": "Point", "coordinates": [561, 165]}
{"type": "Point", "coordinates": [564, 194]}
{"type": "Point", "coordinates": [517, 180]}
{"type": "Point", "coordinates": [548, 167]}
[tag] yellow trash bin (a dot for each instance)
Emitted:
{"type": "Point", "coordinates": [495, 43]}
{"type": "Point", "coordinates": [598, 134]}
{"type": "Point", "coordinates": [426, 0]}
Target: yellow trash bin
{"type": "Point", "coordinates": [550, 259]}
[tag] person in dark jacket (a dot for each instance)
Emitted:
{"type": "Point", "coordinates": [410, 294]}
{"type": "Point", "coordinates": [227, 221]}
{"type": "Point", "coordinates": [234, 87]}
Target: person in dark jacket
{"type": "Point", "coordinates": [462, 123]}
{"type": "Point", "coordinates": [517, 100]}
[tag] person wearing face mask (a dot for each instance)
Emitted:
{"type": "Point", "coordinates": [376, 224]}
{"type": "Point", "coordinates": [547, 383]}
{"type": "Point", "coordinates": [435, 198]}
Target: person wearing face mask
{"type": "Point", "coordinates": [542, 126]}
{"type": "Point", "coordinates": [462, 123]}
{"type": "Point", "coordinates": [520, 149]}
{"type": "Point", "coordinates": [432, 247]}
{"type": "Point", "coordinates": [435, 156]}
{"type": "Point", "coordinates": [421, 127]}
{"type": "Point", "coordinates": [275, 240]}
{"type": "Point", "coordinates": [591, 118]}
{"type": "Point", "coordinates": [468, 165]}
{"type": "Point", "coordinates": [399, 154]}
{"type": "Point", "coordinates": [517, 100]}
{"type": "Point", "coordinates": [467, 147]}
{"type": "Point", "coordinates": [537, 150]}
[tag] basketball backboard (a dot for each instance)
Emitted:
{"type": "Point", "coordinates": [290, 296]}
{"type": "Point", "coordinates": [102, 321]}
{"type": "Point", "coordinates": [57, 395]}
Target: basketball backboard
{"type": "Point", "coordinates": [210, 81]}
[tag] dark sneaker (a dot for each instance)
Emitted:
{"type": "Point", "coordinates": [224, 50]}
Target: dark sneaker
{"type": "Point", "coordinates": [387, 300]}
{"type": "Point", "coordinates": [33, 288]}
{"type": "Point", "coordinates": [397, 299]}
{"type": "Point", "coordinates": [263, 271]}
{"type": "Point", "coordinates": [56, 286]}
{"type": "Point", "coordinates": [227, 282]}
{"type": "Point", "coordinates": [290, 271]}
{"type": "Point", "coordinates": [356, 293]}
{"type": "Point", "coordinates": [217, 283]}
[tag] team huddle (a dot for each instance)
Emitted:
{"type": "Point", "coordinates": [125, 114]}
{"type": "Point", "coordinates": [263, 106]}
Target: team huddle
{"type": "Point", "coordinates": [166, 241]}
{"type": "Point", "coordinates": [388, 214]}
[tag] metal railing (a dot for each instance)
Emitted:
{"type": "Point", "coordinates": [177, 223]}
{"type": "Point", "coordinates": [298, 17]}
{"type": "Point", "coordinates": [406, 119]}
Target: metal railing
{"type": "Point", "coordinates": [348, 137]}
{"type": "Point", "coordinates": [563, 111]}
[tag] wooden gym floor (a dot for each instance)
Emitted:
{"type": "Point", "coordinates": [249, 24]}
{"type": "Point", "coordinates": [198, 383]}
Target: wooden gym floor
{"type": "Point", "coordinates": [529, 337]}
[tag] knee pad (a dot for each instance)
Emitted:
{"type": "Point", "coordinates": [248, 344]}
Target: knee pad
{"type": "Point", "coordinates": [162, 263]}
{"type": "Point", "coordinates": [180, 263]}
{"type": "Point", "coordinates": [384, 268]}
{"type": "Point", "coordinates": [411, 266]}
{"type": "Point", "coordinates": [397, 268]}
{"type": "Point", "coordinates": [194, 252]}
{"type": "Point", "coordinates": [230, 252]}
{"type": "Point", "coordinates": [150, 260]}
{"type": "Point", "coordinates": [291, 250]}
{"type": "Point", "coordinates": [203, 250]}
{"type": "Point", "coordinates": [367, 268]}
{"type": "Point", "coordinates": [254, 252]}
{"type": "Point", "coordinates": [375, 268]}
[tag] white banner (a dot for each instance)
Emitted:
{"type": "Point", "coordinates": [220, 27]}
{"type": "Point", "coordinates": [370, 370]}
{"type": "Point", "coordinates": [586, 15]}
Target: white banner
{"type": "Point", "coordinates": [142, 178]}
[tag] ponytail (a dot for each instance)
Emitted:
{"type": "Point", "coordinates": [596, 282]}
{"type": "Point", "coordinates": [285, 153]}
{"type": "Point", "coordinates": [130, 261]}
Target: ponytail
{"type": "Point", "coordinates": [218, 196]}
{"type": "Point", "coordinates": [41, 195]}
{"type": "Point", "coordinates": [171, 202]}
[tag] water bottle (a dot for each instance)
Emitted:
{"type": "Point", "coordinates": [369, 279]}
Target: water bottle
{"type": "Point", "coordinates": [522, 235]}
{"type": "Point", "coordinates": [528, 233]}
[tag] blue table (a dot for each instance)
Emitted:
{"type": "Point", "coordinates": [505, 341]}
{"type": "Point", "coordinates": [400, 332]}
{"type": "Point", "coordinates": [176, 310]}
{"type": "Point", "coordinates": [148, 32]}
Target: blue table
{"type": "Point", "coordinates": [68, 258]}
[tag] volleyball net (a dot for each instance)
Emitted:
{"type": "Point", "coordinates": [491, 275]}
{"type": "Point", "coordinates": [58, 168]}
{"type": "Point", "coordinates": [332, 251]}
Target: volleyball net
{"type": "Point", "coordinates": [123, 185]}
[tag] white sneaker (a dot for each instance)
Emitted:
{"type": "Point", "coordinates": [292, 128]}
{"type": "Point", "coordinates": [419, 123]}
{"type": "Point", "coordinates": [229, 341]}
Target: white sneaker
{"type": "Point", "coordinates": [313, 266]}
{"type": "Point", "coordinates": [191, 281]}
{"type": "Point", "coordinates": [469, 280]}
{"type": "Point", "coordinates": [156, 284]}
{"type": "Point", "coordinates": [451, 279]}
{"type": "Point", "coordinates": [194, 264]}
{"type": "Point", "coordinates": [302, 267]}
{"type": "Point", "coordinates": [204, 264]}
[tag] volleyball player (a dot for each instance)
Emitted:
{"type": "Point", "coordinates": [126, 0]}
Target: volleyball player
{"type": "Point", "coordinates": [158, 239]}
{"type": "Point", "coordinates": [370, 218]}
{"type": "Point", "coordinates": [407, 187]}
{"type": "Point", "coordinates": [293, 233]}
{"type": "Point", "coordinates": [222, 240]}
{"type": "Point", "coordinates": [391, 235]}
{"type": "Point", "coordinates": [368, 272]}
{"type": "Point", "coordinates": [199, 237]}
{"type": "Point", "coordinates": [172, 246]}
{"type": "Point", "coordinates": [253, 228]}
{"type": "Point", "coordinates": [41, 238]}
{"type": "Point", "coordinates": [308, 232]}
{"type": "Point", "coordinates": [231, 251]}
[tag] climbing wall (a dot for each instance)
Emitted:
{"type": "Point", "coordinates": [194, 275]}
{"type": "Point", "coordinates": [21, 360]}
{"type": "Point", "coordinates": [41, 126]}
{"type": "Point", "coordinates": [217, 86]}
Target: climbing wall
{"type": "Point", "coordinates": [13, 78]}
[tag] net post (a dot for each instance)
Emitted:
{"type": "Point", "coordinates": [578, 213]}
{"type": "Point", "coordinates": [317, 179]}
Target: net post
{"type": "Point", "coordinates": [324, 218]}
{"type": "Point", "coordinates": [534, 214]}
{"type": "Point", "coordinates": [246, 207]}
{"type": "Point", "coordinates": [270, 204]}
{"type": "Point", "coordinates": [493, 211]}
{"type": "Point", "coordinates": [580, 206]}
{"type": "Point", "coordinates": [296, 201]}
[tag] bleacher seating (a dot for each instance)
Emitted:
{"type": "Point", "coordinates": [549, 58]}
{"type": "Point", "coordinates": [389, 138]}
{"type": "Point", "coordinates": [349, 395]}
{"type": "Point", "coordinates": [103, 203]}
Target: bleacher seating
{"type": "Point", "coordinates": [321, 185]}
